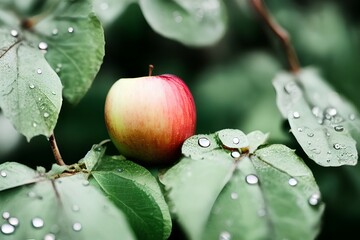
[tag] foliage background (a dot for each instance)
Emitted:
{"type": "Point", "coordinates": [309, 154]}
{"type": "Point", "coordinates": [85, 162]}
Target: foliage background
{"type": "Point", "coordinates": [231, 83]}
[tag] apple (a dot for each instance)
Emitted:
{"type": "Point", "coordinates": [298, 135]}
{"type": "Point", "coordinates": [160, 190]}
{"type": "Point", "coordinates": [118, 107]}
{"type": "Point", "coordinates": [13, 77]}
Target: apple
{"type": "Point", "coordinates": [148, 118]}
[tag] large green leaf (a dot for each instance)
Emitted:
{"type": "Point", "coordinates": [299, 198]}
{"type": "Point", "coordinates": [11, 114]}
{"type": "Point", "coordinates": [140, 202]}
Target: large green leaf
{"type": "Point", "coordinates": [66, 208]}
{"type": "Point", "coordinates": [221, 193]}
{"type": "Point", "coordinates": [134, 190]}
{"type": "Point", "coordinates": [30, 91]}
{"type": "Point", "coordinates": [191, 22]}
{"type": "Point", "coordinates": [322, 121]}
{"type": "Point", "coordinates": [14, 174]}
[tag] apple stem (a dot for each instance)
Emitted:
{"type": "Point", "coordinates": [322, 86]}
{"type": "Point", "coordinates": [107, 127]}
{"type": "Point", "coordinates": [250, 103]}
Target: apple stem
{"type": "Point", "coordinates": [55, 150]}
{"type": "Point", "coordinates": [151, 68]}
{"type": "Point", "coordinates": [280, 33]}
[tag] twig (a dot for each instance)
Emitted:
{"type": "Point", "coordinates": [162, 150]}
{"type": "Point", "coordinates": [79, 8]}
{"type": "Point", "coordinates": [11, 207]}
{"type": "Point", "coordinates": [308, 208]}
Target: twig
{"type": "Point", "coordinates": [280, 33]}
{"type": "Point", "coordinates": [56, 151]}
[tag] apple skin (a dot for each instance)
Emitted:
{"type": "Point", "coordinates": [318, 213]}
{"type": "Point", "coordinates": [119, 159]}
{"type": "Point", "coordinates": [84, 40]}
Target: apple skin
{"type": "Point", "coordinates": [149, 118]}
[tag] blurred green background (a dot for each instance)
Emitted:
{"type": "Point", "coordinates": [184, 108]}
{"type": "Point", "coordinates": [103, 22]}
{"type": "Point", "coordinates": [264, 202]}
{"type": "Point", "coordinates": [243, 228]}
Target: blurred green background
{"type": "Point", "coordinates": [231, 84]}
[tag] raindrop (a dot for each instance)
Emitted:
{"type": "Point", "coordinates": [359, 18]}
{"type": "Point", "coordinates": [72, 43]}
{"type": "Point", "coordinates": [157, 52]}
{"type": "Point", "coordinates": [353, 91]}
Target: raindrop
{"type": "Point", "coordinates": [14, 33]}
{"type": "Point", "coordinates": [6, 215]}
{"type": "Point", "coordinates": [37, 222]}
{"type": "Point", "coordinates": [7, 228]}
{"type": "Point", "coordinates": [292, 182]}
{"type": "Point", "coordinates": [331, 111]}
{"type": "Point", "coordinates": [234, 195]}
{"type": "Point", "coordinates": [316, 111]}
{"type": "Point", "coordinates": [235, 154]}
{"type": "Point", "coordinates": [31, 86]}
{"type": "Point", "coordinates": [85, 183]}
{"type": "Point", "coordinates": [46, 115]}
{"type": "Point", "coordinates": [3, 173]}
{"type": "Point", "coordinates": [59, 65]}
{"type": "Point", "coordinates": [34, 124]}
{"type": "Point", "coordinates": [75, 208]}
{"type": "Point", "coordinates": [53, 93]}
{"type": "Point", "coordinates": [339, 128]}
{"type": "Point", "coordinates": [55, 32]}
{"type": "Point", "coordinates": [49, 236]}
{"type": "Point", "coordinates": [39, 71]}
{"type": "Point", "coordinates": [119, 170]}
{"type": "Point", "coordinates": [14, 221]}
{"type": "Point", "coordinates": [31, 194]}
{"type": "Point", "coordinates": [316, 150]}
{"type": "Point", "coordinates": [352, 117]}
{"type": "Point", "coordinates": [204, 142]}
{"type": "Point", "coordinates": [337, 146]}
{"type": "Point", "coordinates": [77, 227]}
{"type": "Point", "coordinates": [251, 179]}
{"type": "Point", "coordinates": [314, 199]}
{"type": "Point", "coordinates": [236, 140]}
{"type": "Point", "coordinates": [57, 70]}
{"type": "Point", "coordinates": [177, 17]}
{"type": "Point", "coordinates": [296, 115]}
{"type": "Point", "coordinates": [300, 129]}
{"type": "Point", "coordinates": [70, 29]}
{"type": "Point", "coordinates": [43, 46]}
{"type": "Point", "coordinates": [310, 134]}
{"type": "Point", "coordinates": [224, 236]}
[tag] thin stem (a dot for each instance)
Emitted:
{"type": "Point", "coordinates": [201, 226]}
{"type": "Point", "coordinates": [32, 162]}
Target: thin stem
{"type": "Point", "coordinates": [55, 150]}
{"type": "Point", "coordinates": [280, 33]}
{"type": "Point", "coordinates": [151, 68]}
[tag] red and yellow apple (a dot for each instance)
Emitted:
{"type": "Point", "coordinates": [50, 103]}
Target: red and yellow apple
{"type": "Point", "coordinates": [148, 118]}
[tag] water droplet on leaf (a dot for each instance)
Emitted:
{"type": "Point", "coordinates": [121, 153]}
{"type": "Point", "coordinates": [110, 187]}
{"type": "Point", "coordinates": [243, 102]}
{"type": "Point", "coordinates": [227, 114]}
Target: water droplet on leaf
{"type": "Point", "coordinates": [204, 142]}
{"type": "Point", "coordinates": [34, 124]}
{"type": "Point", "coordinates": [55, 32]}
{"type": "Point", "coordinates": [43, 46]}
{"type": "Point", "coordinates": [85, 183]}
{"type": "Point", "coordinates": [314, 199]}
{"type": "Point", "coordinates": [3, 173]}
{"type": "Point", "coordinates": [251, 179]}
{"type": "Point", "coordinates": [14, 33]}
{"type": "Point", "coordinates": [339, 128]}
{"type": "Point", "coordinates": [352, 117]}
{"type": "Point", "coordinates": [177, 17]}
{"type": "Point", "coordinates": [13, 221]}
{"type": "Point", "coordinates": [31, 86]}
{"type": "Point", "coordinates": [77, 227]}
{"type": "Point", "coordinates": [235, 154]}
{"type": "Point", "coordinates": [46, 115]}
{"type": "Point", "coordinates": [7, 229]}
{"type": "Point", "coordinates": [104, 6]}
{"type": "Point", "coordinates": [39, 71]}
{"type": "Point", "coordinates": [337, 146]}
{"type": "Point", "coordinates": [234, 195]}
{"type": "Point", "coordinates": [53, 93]}
{"type": "Point", "coordinates": [37, 222]}
{"type": "Point", "coordinates": [292, 182]}
{"type": "Point", "coordinates": [6, 215]}
{"type": "Point", "coordinates": [224, 236]}
{"type": "Point", "coordinates": [310, 134]}
{"type": "Point", "coordinates": [49, 236]}
{"type": "Point", "coordinates": [236, 140]}
{"type": "Point", "coordinates": [296, 115]}
{"type": "Point", "coordinates": [70, 29]}
{"type": "Point", "coordinates": [331, 111]}
{"type": "Point", "coordinates": [75, 208]}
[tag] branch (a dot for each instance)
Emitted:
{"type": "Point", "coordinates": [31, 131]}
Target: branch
{"type": "Point", "coordinates": [280, 33]}
{"type": "Point", "coordinates": [56, 151]}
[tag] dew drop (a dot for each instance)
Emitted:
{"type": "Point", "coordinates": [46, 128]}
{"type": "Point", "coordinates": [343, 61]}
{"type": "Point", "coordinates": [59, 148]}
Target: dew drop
{"type": "Point", "coordinates": [70, 29]}
{"type": "Point", "coordinates": [3, 173]}
{"type": "Point", "coordinates": [292, 182]}
{"type": "Point", "coordinates": [14, 33]}
{"type": "Point", "coordinates": [57, 70]}
{"type": "Point", "coordinates": [46, 115]}
{"type": "Point", "coordinates": [119, 170]}
{"type": "Point", "coordinates": [31, 194]}
{"type": "Point", "coordinates": [352, 117]}
{"type": "Point", "coordinates": [7, 228]}
{"type": "Point", "coordinates": [310, 134]}
{"type": "Point", "coordinates": [296, 115]}
{"type": "Point", "coordinates": [234, 195]}
{"type": "Point", "coordinates": [43, 46]}
{"type": "Point", "coordinates": [6, 215]}
{"type": "Point", "coordinates": [204, 142]}
{"type": "Point", "coordinates": [49, 236]}
{"type": "Point", "coordinates": [39, 71]}
{"type": "Point", "coordinates": [236, 140]}
{"type": "Point", "coordinates": [13, 221]}
{"type": "Point", "coordinates": [314, 199]}
{"type": "Point", "coordinates": [55, 32]}
{"type": "Point", "coordinates": [31, 86]}
{"type": "Point", "coordinates": [316, 150]}
{"type": "Point", "coordinates": [177, 17]}
{"type": "Point", "coordinates": [37, 222]}
{"type": "Point", "coordinates": [316, 111]}
{"type": "Point", "coordinates": [75, 208]}
{"type": "Point", "coordinates": [85, 183]}
{"type": "Point", "coordinates": [339, 128]}
{"type": "Point", "coordinates": [77, 227]}
{"type": "Point", "coordinates": [337, 146]}
{"type": "Point", "coordinates": [300, 129]}
{"type": "Point", "coordinates": [331, 111]}
{"type": "Point", "coordinates": [224, 236]}
{"type": "Point", "coordinates": [251, 179]}
{"type": "Point", "coordinates": [235, 154]}
{"type": "Point", "coordinates": [53, 93]}
{"type": "Point", "coordinates": [34, 124]}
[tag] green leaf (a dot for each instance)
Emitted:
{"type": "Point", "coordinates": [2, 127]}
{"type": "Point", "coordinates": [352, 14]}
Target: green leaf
{"type": "Point", "coordinates": [30, 91]}
{"type": "Point", "coordinates": [14, 174]}
{"type": "Point", "coordinates": [76, 43]}
{"type": "Point", "coordinates": [191, 22]}
{"type": "Point", "coordinates": [108, 11]}
{"type": "Point", "coordinates": [225, 196]}
{"type": "Point", "coordinates": [61, 209]}
{"type": "Point", "coordinates": [136, 192]}
{"type": "Point", "coordinates": [322, 121]}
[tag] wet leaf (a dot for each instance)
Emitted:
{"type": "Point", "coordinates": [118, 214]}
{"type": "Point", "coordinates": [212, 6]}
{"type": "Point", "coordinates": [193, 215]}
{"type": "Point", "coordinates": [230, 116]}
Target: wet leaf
{"type": "Point", "coordinates": [322, 121]}
{"type": "Point", "coordinates": [14, 174]}
{"type": "Point", "coordinates": [60, 209]}
{"type": "Point", "coordinates": [219, 196]}
{"type": "Point", "coordinates": [136, 192]}
{"type": "Point", "coordinates": [193, 23]}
